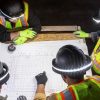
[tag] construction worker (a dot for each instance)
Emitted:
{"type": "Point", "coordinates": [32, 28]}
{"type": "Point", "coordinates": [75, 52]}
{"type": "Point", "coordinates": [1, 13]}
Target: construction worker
{"type": "Point", "coordinates": [18, 23]}
{"type": "Point", "coordinates": [71, 63]}
{"type": "Point", "coordinates": [96, 52]}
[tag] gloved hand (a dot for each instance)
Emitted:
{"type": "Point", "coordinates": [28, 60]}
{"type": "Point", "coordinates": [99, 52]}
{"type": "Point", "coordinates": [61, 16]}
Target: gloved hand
{"type": "Point", "coordinates": [22, 98]}
{"type": "Point", "coordinates": [20, 40]}
{"type": "Point", "coordinates": [81, 34]}
{"type": "Point", "coordinates": [28, 33]}
{"type": "Point", "coordinates": [41, 78]}
{"type": "Point", "coordinates": [24, 36]}
{"type": "Point", "coordinates": [3, 98]}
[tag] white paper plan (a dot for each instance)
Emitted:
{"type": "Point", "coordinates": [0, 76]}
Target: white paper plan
{"type": "Point", "coordinates": [29, 60]}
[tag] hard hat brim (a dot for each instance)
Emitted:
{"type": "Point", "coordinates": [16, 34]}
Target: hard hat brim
{"type": "Point", "coordinates": [56, 68]}
{"type": "Point", "coordinates": [5, 76]}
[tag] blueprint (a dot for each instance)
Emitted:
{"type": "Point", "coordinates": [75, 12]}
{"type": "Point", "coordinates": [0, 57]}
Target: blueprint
{"type": "Point", "coordinates": [29, 60]}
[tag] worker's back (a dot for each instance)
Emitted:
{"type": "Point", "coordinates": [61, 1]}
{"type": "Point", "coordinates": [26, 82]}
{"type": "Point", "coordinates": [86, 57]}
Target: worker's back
{"type": "Point", "coordinates": [87, 90]}
{"type": "Point", "coordinates": [84, 90]}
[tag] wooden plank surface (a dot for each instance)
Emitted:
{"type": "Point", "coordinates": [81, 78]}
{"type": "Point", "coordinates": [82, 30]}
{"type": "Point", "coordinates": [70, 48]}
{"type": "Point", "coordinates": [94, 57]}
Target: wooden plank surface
{"type": "Point", "coordinates": [60, 28]}
{"type": "Point", "coordinates": [54, 36]}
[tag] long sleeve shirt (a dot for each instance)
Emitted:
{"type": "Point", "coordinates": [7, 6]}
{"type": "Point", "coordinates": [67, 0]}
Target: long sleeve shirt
{"type": "Point", "coordinates": [91, 42]}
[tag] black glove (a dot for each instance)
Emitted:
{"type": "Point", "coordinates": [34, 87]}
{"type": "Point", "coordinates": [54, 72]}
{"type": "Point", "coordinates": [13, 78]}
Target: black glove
{"type": "Point", "coordinates": [4, 34]}
{"type": "Point", "coordinates": [3, 98]}
{"type": "Point", "coordinates": [22, 98]}
{"type": "Point", "coordinates": [41, 78]}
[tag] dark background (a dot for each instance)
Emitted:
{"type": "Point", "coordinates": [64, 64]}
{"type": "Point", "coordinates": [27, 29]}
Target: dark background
{"type": "Point", "coordinates": [67, 12]}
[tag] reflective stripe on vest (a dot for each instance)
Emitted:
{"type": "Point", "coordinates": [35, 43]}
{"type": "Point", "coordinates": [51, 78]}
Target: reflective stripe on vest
{"type": "Point", "coordinates": [87, 90]}
{"type": "Point", "coordinates": [58, 96]}
{"type": "Point", "coordinates": [64, 95]}
{"type": "Point", "coordinates": [96, 58]}
{"type": "Point", "coordinates": [20, 22]}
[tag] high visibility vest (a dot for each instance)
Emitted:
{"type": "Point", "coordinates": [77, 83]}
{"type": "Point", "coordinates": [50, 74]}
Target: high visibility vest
{"type": "Point", "coordinates": [20, 22]}
{"type": "Point", "coordinates": [96, 58]}
{"type": "Point", "coordinates": [87, 90]}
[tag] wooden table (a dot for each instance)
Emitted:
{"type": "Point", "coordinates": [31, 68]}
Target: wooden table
{"type": "Point", "coordinates": [54, 36]}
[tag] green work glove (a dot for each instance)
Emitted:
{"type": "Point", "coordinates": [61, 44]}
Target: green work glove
{"type": "Point", "coordinates": [81, 34]}
{"type": "Point", "coordinates": [24, 36]}
{"type": "Point", "coordinates": [28, 33]}
{"type": "Point", "coordinates": [20, 40]}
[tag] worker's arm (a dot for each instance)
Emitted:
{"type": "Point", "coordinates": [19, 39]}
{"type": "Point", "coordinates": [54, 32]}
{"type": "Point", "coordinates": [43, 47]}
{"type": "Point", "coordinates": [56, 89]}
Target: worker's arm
{"type": "Point", "coordinates": [91, 39]}
{"type": "Point", "coordinates": [4, 34]}
{"type": "Point", "coordinates": [34, 27]}
{"type": "Point", "coordinates": [33, 20]}
{"type": "Point", "coordinates": [40, 92]}
{"type": "Point", "coordinates": [41, 81]}
{"type": "Point", "coordinates": [93, 35]}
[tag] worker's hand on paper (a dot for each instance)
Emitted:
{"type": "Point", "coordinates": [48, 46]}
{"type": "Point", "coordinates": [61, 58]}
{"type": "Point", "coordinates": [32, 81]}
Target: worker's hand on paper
{"type": "Point", "coordinates": [28, 33]}
{"type": "Point", "coordinates": [81, 34]}
{"type": "Point", "coordinates": [41, 78]}
{"type": "Point", "coordinates": [24, 36]}
{"type": "Point", "coordinates": [20, 40]}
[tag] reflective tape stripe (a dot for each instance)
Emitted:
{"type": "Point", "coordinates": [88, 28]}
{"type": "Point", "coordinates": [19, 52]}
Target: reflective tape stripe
{"type": "Point", "coordinates": [24, 22]}
{"type": "Point", "coordinates": [58, 96]}
{"type": "Point", "coordinates": [73, 70]}
{"type": "Point", "coordinates": [26, 10]}
{"type": "Point", "coordinates": [72, 92]}
{"type": "Point", "coordinates": [62, 96]}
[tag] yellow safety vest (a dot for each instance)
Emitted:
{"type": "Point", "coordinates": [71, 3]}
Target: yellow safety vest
{"type": "Point", "coordinates": [96, 58]}
{"type": "Point", "coordinates": [89, 89]}
{"type": "Point", "coordinates": [20, 22]}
